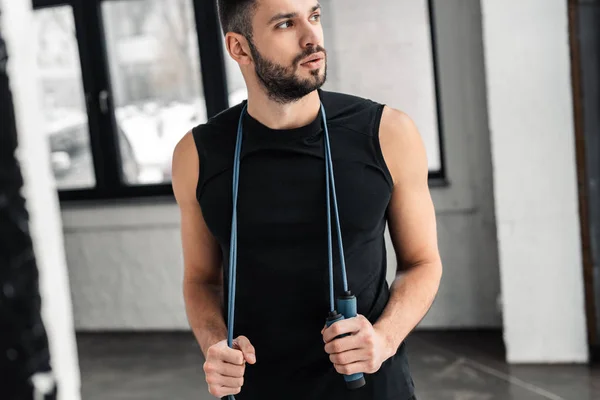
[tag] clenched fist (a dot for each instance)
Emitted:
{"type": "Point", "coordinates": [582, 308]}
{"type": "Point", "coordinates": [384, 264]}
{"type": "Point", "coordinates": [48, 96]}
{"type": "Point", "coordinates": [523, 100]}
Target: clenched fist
{"type": "Point", "coordinates": [365, 350]}
{"type": "Point", "coordinates": [225, 366]}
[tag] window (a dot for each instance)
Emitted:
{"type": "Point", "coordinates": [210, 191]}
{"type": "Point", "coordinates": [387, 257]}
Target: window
{"type": "Point", "coordinates": [397, 69]}
{"type": "Point", "coordinates": [62, 99]}
{"type": "Point", "coordinates": [123, 80]}
{"type": "Point", "coordinates": [156, 82]}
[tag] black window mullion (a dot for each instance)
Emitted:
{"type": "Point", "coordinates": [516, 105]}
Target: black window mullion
{"type": "Point", "coordinates": [89, 88]}
{"type": "Point", "coordinates": [438, 177]}
{"type": "Point", "coordinates": [103, 133]}
{"type": "Point", "coordinates": [214, 78]}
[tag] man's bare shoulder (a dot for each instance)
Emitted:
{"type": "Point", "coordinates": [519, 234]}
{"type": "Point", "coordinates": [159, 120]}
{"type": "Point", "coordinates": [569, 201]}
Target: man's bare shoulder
{"type": "Point", "coordinates": [185, 168]}
{"type": "Point", "coordinates": [402, 146]}
{"type": "Point", "coordinates": [185, 147]}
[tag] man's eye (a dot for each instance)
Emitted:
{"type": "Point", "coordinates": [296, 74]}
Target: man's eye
{"type": "Point", "coordinates": [284, 25]}
{"type": "Point", "coordinates": [316, 17]}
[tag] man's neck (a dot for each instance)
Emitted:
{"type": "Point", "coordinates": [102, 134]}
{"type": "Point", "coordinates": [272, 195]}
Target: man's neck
{"type": "Point", "coordinates": [284, 116]}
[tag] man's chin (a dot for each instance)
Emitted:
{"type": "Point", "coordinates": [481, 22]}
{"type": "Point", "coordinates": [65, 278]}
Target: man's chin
{"type": "Point", "coordinates": [314, 78]}
{"type": "Point", "coordinates": [320, 72]}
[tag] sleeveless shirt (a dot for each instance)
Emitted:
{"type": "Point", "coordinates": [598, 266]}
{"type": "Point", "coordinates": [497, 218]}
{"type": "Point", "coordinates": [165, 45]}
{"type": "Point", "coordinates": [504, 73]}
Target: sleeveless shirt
{"type": "Point", "coordinates": [282, 294]}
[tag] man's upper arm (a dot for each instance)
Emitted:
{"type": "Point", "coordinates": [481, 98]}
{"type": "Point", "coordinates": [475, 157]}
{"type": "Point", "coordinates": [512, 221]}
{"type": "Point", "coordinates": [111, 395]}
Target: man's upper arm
{"type": "Point", "coordinates": [201, 252]}
{"type": "Point", "coordinates": [411, 216]}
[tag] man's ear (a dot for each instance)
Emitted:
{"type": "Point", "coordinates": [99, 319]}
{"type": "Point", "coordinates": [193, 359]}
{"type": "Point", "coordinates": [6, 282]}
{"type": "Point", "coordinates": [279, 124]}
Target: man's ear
{"type": "Point", "coordinates": [238, 48]}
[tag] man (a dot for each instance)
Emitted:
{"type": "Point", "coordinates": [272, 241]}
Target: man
{"type": "Point", "coordinates": [282, 349]}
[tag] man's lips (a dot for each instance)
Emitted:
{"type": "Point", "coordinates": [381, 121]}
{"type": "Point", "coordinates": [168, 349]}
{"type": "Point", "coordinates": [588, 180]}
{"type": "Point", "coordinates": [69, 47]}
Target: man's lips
{"type": "Point", "coordinates": [314, 57]}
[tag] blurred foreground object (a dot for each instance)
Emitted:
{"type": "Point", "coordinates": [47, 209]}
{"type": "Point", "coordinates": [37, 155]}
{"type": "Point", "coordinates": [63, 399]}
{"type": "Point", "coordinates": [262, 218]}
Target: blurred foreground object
{"type": "Point", "coordinates": [24, 356]}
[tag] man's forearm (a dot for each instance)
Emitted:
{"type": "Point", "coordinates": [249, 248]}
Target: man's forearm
{"type": "Point", "coordinates": [411, 295]}
{"type": "Point", "coordinates": [204, 312]}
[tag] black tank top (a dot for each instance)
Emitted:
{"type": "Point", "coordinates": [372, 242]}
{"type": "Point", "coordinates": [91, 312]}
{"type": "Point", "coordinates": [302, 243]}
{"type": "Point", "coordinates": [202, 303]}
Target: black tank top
{"type": "Point", "coordinates": [282, 297]}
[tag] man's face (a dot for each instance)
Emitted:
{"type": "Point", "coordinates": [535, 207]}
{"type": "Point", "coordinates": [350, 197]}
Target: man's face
{"type": "Point", "coordinates": [287, 48]}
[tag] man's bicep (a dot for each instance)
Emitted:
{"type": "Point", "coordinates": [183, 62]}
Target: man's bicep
{"type": "Point", "coordinates": [201, 252]}
{"type": "Point", "coordinates": [411, 213]}
{"type": "Point", "coordinates": [412, 225]}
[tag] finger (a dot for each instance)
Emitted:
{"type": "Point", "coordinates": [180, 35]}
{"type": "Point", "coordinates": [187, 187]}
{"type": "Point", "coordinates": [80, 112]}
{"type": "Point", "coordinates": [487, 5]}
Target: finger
{"type": "Point", "coordinates": [349, 357]}
{"type": "Point", "coordinates": [350, 325]}
{"type": "Point", "coordinates": [341, 345]}
{"type": "Point", "coordinates": [232, 356]}
{"type": "Point", "coordinates": [354, 368]}
{"type": "Point", "coordinates": [230, 370]}
{"type": "Point", "coordinates": [224, 381]}
{"type": "Point", "coordinates": [222, 391]}
{"type": "Point", "coordinates": [247, 349]}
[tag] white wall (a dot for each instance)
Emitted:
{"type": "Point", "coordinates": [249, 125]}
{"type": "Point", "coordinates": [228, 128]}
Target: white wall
{"type": "Point", "coordinates": [126, 266]}
{"type": "Point", "coordinates": [125, 261]}
{"type": "Point", "coordinates": [531, 123]}
{"type": "Point", "coordinates": [42, 200]}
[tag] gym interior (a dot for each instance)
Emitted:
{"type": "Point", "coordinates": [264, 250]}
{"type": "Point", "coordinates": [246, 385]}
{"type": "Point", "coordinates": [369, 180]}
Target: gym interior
{"type": "Point", "coordinates": [506, 97]}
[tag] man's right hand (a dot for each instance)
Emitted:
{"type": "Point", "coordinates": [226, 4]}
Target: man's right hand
{"type": "Point", "coordinates": [225, 366]}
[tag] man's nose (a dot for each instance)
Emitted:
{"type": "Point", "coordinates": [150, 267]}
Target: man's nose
{"type": "Point", "coordinates": [311, 36]}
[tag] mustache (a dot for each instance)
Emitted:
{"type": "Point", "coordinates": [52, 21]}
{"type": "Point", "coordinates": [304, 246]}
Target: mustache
{"type": "Point", "coordinates": [309, 52]}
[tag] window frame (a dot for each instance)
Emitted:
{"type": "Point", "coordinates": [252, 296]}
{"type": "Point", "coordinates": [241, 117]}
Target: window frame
{"type": "Point", "coordinates": [93, 54]}
{"type": "Point", "coordinates": [95, 72]}
{"type": "Point", "coordinates": [437, 178]}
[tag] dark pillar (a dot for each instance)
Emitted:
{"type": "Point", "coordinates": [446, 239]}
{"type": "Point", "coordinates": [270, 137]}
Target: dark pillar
{"type": "Point", "coordinates": [585, 51]}
{"type": "Point", "coordinates": [23, 340]}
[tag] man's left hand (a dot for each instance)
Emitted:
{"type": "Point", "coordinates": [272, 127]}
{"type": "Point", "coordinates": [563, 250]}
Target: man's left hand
{"type": "Point", "coordinates": [363, 351]}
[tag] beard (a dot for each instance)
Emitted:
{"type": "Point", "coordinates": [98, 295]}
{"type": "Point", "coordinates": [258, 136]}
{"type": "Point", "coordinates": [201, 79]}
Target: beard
{"type": "Point", "coordinates": [281, 83]}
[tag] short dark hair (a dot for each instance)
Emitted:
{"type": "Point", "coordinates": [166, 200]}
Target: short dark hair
{"type": "Point", "coordinates": [236, 16]}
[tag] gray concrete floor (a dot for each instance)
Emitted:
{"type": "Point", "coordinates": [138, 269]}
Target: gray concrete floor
{"type": "Point", "coordinates": [445, 365]}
